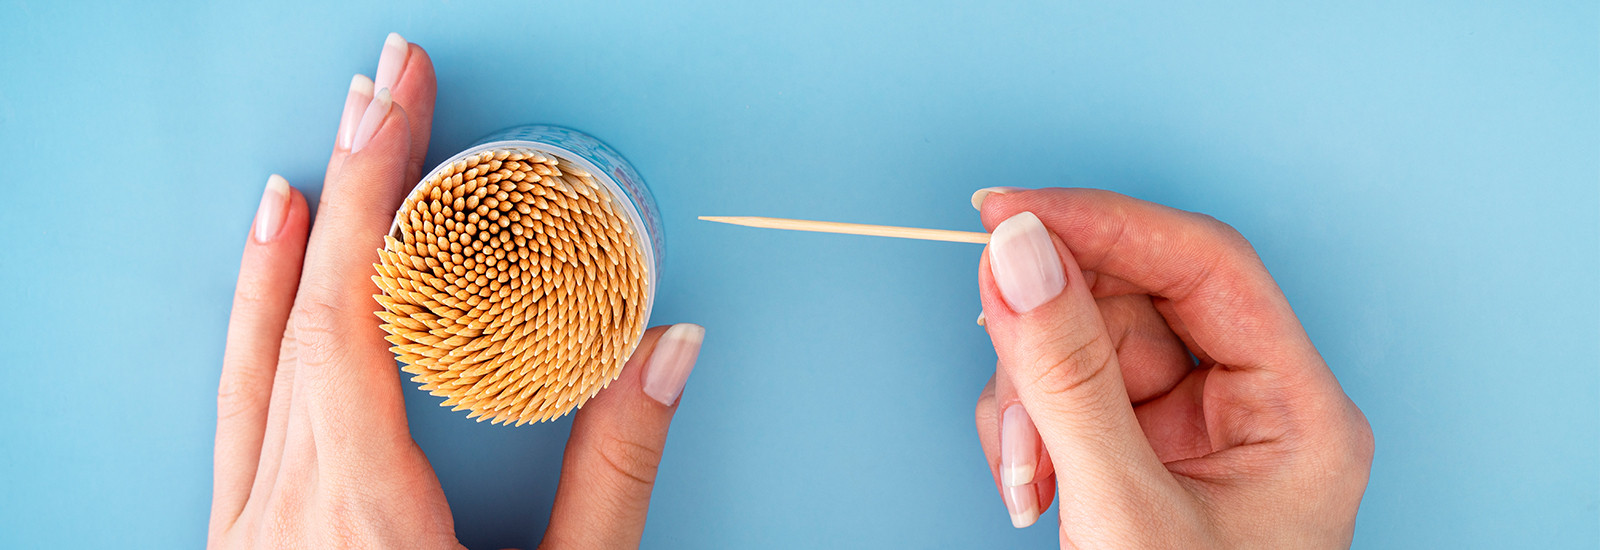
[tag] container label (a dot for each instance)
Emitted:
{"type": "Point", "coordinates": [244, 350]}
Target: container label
{"type": "Point", "coordinates": [610, 163]}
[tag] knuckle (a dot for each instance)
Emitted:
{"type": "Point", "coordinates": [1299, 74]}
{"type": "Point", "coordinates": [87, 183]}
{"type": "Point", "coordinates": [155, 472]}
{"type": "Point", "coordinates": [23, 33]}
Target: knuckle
{"type": "Point", "coordinates": [342, 527]}
{"type": "Point", "coordinates": [1363, 444]}
{"type": "Point", "coordinates": [1081, 369]}
{"type": "Point", "coordinates": [251, 293]}
{"type": "Point", "coordinates": [282, 517]}
{"type": "Point", "coordinates": [1366, 448]}
{"type": "Point", "coordinates": [1228, 235]}
{"type": "Point", "coordinates": [240, 393]}
{"type": "Point", "coordinates": [317, 326]}
{"type": "Point", "coordinates": [1336, 439]}
{"type": "Point", "coordinates": [1122, 313]}
{"type": "Point", "coordinates": [633, 463]}
{"type": "Point", "coordinates": [985, 414]}
{"type": "Point", "coordinates": [985, 406]}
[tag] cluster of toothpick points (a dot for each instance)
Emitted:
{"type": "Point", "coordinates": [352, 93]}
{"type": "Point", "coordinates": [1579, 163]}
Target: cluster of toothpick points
{"type": "Point", "coordinates": [513, 286]}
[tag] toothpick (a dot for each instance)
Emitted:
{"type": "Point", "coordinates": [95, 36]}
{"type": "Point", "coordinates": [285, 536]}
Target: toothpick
{"type": "Point", "coordinates": [855, 229]}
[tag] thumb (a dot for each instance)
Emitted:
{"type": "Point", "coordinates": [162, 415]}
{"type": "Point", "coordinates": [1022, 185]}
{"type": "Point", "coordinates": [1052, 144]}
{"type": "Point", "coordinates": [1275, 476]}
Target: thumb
{"type": "Point", "coordinates": [615, 448]}
{"type": "Point", "coordinates": [1053, 346]}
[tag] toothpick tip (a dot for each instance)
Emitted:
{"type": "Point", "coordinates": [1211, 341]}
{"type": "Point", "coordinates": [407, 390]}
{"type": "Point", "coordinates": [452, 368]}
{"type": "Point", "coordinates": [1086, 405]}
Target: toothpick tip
{"type": "Point", "coordinates": [853, 229]}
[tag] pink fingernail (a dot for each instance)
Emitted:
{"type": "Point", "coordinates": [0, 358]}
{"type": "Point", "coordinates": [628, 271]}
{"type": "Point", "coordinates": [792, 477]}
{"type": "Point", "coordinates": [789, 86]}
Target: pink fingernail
{"type": "Point", "coordinates": [1023, 504]}
{"type": "Point", "coordinates": [1019, 447]}
{"type": "Point", "coordinates": [1024, 262]}
{"type": "Point", "coordinates": [371, 120]}
{"type": "Point", "coordinates": [979, 195]}
{"type": "Point", "coordinates": [391, 62]}
{"type": "Point", "coordinates": [354, 104]}
{"type": "Point", "coordinates": [670, 362]}
{"type": "Point", "coordinates": [273, 210]}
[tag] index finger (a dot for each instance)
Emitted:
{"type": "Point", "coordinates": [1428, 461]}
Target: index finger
{"type": "Point", "coordinates": [407, 71]}
{"type": "Point", "coordinates": [1216, 283]}
{"type": "Point", "coordinates": [347, 373]}
{"type": "Point", "coordinates": [376, 159]}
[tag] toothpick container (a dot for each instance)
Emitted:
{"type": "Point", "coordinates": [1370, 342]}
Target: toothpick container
{"type": "Point", "coordinates": [518, 276]}
{"type": "Point", "coordinates": [593, 155]}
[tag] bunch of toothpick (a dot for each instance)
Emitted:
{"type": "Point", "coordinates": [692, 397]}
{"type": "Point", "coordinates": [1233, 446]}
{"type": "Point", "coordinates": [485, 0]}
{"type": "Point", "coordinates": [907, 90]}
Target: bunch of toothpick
{"type": "Point", "coordinates": [513, 286]}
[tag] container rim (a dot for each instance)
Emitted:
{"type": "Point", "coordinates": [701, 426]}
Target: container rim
{"type": "Point", "coordinates": [618, 197]}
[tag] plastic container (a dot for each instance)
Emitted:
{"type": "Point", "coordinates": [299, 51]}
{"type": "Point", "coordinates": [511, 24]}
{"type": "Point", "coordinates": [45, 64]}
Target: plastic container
{"type": "Point", "coordinates": [602, 162]}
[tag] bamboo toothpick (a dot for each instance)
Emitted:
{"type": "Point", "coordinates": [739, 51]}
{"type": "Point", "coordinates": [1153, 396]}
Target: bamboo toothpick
{"type": "Point", "coordinates": [855, 229]}
{"type": "Point", "coordinates": [513, 286]}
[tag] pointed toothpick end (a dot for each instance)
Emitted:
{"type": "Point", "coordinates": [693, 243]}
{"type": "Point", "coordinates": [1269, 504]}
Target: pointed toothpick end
{"type": "Point", "coordinates": [725, 219]}
{"type": "Point", "coordinates": [853, 229]}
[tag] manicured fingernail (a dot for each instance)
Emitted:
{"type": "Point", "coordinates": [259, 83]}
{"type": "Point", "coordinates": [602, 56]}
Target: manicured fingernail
{"type": "Point", "coordinates": [371, 120]}
{"type": "Point", "coordinates": [1024, 262]}
{"type": "Point", "coordinates": [1023, 504]}
{"type": "Point", "coordinates": [981, 321]}
{"type": "Point", "coordinates": [354, 104]}
{"type": "Point", "coordinates": [1019, 447]}
{"type": "Point", "coordinates": [391, 62]}
{"type": "Point", "coordinates": [979, 195]}
{"type": "Point", "coordinates": [273, 210]}
{"type": "Point", "coordinates": [671, 361]}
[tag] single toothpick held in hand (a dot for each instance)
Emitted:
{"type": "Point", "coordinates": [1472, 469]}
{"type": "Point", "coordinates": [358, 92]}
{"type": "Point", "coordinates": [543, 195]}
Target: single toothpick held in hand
{"type": "Point", "coordinates": [855, 229]}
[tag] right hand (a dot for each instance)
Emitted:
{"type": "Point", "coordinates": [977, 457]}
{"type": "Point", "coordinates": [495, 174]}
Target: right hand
{"type": "Point", "coordinates": [1151, 371]}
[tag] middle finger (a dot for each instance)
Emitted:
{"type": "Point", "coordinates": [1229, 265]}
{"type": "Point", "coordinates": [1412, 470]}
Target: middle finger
{"type": "Point", "coordinates": [407, 71]}
{"type": "Point", "coordinates": [1154, 360]}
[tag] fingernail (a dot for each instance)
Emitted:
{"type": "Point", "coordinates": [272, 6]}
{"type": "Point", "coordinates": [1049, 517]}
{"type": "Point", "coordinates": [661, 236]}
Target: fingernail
{"type": "Point", "coordinates": [981, 320]}
{"type": "Point", "coordinates": [274, 208]}
{"type": "Point", "coordinates": [1023, 504]}
{"type": "Point", "coordinates": [391, 62]}
{"type": "Point", "coordinates": [1024, 262]}
{"type": "Point", "coordinates": [354, 104]}
{"type": "Point", "coordinates": [671, 361]}
{"type": "Point", "coordinates": [371, 120]}
{"type": "Point", "coordinates": [979, 195]}
{"type": "Point", "coordinates": [1019, 447]}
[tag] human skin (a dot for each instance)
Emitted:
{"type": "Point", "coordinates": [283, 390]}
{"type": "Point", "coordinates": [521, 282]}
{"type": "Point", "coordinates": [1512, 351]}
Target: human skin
{"type": "Point", "coordinates": [313, 449]}
{"type": "Point", "coordinates": [1153, 375]}
{"type": "Point", "coordinates": [1150, 370]}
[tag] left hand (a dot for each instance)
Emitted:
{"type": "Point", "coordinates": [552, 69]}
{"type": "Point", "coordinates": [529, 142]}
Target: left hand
{"type": "Point", "coordinates": [313, 449]}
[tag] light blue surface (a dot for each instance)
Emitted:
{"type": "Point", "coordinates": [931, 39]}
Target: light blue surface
{"type": "Point", "coordinates": [1422, 178]}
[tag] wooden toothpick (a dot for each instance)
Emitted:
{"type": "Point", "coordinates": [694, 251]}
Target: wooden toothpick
{"type": "Point", "coordinates": [855, 229]}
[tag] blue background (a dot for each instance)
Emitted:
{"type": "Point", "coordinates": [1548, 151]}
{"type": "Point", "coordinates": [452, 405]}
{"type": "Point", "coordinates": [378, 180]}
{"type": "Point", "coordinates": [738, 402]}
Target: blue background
{"type": "Point", "coordinates": [1422, 178]}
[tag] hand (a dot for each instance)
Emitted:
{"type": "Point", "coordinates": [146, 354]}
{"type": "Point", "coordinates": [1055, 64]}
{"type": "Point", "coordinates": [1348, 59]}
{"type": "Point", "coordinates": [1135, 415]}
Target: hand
{"type": "Point", "coordinates": [1095, 303]}
{"type": "Point", "coordinates": [313, 449]}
